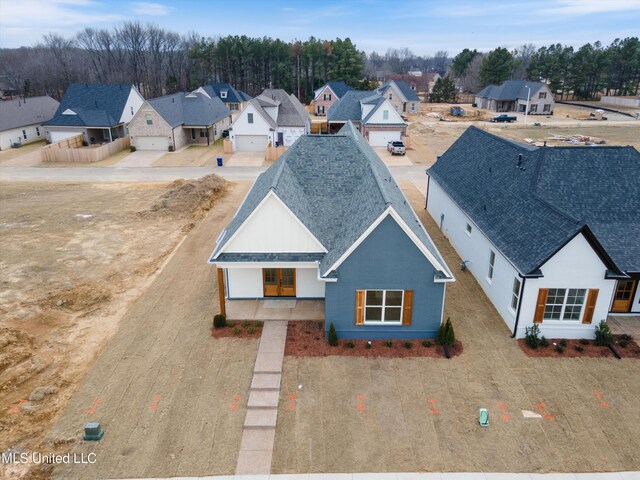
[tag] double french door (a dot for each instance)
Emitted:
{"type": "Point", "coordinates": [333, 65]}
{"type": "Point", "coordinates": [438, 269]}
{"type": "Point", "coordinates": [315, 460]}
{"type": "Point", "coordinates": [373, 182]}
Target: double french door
{"type": "Point", "coordinates": [279, 282]}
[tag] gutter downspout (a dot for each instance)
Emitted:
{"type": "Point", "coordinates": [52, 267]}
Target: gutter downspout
{"type": "Point", "coordinates": [426, 195]}
{"type": "Point", "coordinates": [515, 327]}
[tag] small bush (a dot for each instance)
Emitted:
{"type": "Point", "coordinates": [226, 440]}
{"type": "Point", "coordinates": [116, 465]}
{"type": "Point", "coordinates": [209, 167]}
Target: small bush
{"type": "Point", "coordinates": [171, 148]}
{"type": "Point", "coordinates": [351, 345]}
{"type": "Point", "coordinates": [584, 341]}
{"type": "Point", "coordinates": [427, 344]}
{"type": "Point", "coordinates": [623, 343]}
{"type": "Point", "coordinates": [258, 324]}
{"type": "Point", "coordinates": [219, 321]}
{"type": "Point", "coordinates": [532, 336]}
{"type": "Point", "coordinates": [133, 149]}
{"type": "Point", "coordinates": [408, 345]}
{"type": "Point", "coordinates": [603, 334]}
{"type": "Point", "coordinates": [446, 335]}
{"type": "Point", "coordinates": [544, 342]}
{"type": "Point", "coordinates": [579, 348]}
{"type": "Point", "coordinates": [367, 345]}
{"type": "Point", "coordinates": [563, 343]}
{"type": "Point", "coordinates": [237, 331]}
{"type": "Point", "coordinates": [246, 323]}
{"type": "Point", "coordinates": [231, 324]}
{"type": "Point", "coordinates": [389, 343]}
{"type": "Point", "coordinates": [332, 338]}
{"type": "Point", "coordinates": [559, 348]}
{"type": "Point", "coordinates": [626, 337]}
{"type": "Point", "coordinates": [251, 330]}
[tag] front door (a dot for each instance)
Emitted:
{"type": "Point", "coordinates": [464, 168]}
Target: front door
{"type": "Point", "coordinates": [279, 282]}
{"type": "Point", "coordinates": [623, 296]}
{"type": "Point", "coordinates": [280, 139]}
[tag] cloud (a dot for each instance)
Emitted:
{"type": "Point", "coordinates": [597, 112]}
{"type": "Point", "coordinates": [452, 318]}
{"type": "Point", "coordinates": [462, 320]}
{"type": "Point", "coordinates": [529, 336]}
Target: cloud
{"type": "Point", "coordinates": [150, 8]}
{"type": "Point", "coordinates": [589, 7]}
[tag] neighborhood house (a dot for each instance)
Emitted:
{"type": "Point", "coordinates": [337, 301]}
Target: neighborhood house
{"type": "Point", "coordinates": [513, 95]}
{"type": "Point", "coordinates": [21, 120]}
{"type": "Point", "coordinates": [401, 95]}
{"type": "Point", "coordinates": [327, 95]}
{"type": "Point", "coordinates": [234, 100]}
{"type": "Point", "coordinates": [550, 233]}
{"type": "Point", "coordinates": [328, 221]}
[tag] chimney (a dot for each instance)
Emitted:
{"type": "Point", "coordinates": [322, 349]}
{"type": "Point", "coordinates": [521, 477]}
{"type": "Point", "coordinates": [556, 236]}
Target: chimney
{"type": "Point", "coordinates": [519, 160]}
{"type": "Point", "coordinates": [545, 143]}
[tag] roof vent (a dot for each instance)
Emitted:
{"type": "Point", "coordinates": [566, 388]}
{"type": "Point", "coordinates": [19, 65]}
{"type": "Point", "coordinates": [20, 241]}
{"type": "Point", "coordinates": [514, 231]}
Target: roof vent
{"type": "Point", "coordinates": [545, 143]}
{"type": "Point", "coordinates": [520, 166]}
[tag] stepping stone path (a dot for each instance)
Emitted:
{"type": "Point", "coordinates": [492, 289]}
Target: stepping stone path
{"type": "Point", "coordinates": [256, 447]}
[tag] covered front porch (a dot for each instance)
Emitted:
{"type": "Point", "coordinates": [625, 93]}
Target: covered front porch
{"type": "Point", "coordinates": [275, 309]}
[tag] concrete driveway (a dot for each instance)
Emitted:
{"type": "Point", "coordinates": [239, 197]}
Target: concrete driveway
{"type": "Point", "coordinates": [246, 159]}
{"type": "Point", "coordinates": [393, 160]}
{"type": "Point", "coordinates": [140, 158]}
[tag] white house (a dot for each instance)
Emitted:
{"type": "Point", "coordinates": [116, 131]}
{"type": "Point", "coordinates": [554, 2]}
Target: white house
{"type": "Point", "coordinates": [21, 120]}
{"type": "Point", "coordinates": [272, 118]}
{"type": "Point", "coordinates": [550, 233]}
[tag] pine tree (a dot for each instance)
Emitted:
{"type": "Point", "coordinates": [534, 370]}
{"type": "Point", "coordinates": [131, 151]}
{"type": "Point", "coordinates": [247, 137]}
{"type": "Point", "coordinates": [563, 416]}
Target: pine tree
{"type": "Point", "coordinates": [333, 336]}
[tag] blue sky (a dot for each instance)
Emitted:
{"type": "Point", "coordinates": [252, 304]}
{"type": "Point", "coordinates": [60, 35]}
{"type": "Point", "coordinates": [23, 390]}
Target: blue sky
{"type": "Point", "coordinates": [424, 26]}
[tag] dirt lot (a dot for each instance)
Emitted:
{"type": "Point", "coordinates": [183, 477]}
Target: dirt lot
{"type": "Point", "coordinates": [73, 258]}
{"type": "Point", "coordinates": [421, 414]}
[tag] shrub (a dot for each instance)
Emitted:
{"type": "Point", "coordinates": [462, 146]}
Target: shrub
{"type": "Point", "coordinates": [251, 330]}
{"type": "Point", "coordinates": [579, 348]}
{"type": "Point", "coordinates": [219, 320]}
{"type": "Point", "coordinates": [584, 341]}
{"type": "Point", "coordinates": [389, 343]}
{"type": "Point", "coordinates": [231, 324]}
{"type": "Point", "coordinates": [603, 334]}
{"type": "Point", "coordinates": [427, 344]}
{"type": "Point", "coordinates": [351, 345]}
{"type": "Point", "coordinates": [237, 331]}
{"type": "Point", "coordinates": [171, 148]}
{"type": "Point", "coordinates": [559, 348]}
{"type": "Point", "coordinates": [258, 324]}
{"type": "Point", "coordinates": [367, 345]}
{"type": "Point", "coordinates": [246, 323]}
{"type": "Point", "coordinates": [623, 343]}
{"type": "Point", "coordinates": [563, 343]}
{"type": "Point", "coordinates": [532, 336]}
{"type": "Point", "coordinates": [626, 337]}
{"type": "Point", "coordinates": [332, 338]}
{"type": "Point", "coordinates": [544, 342]}
{"type": "Point", "coordinates": [408, 345]}
{"type": "Point", "coordinates": [133, 149]}
{"type": "Point", "coordinates": [446, 335]}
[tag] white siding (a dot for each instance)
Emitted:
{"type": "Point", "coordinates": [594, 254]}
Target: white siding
{"type": "Point", "coordinates": [635, 306]}
{"type": "Point", "coordinates": [134, 102]}
{"type": "Point", "coordinates": [241, 126]}
{"type": "Point", "coordinates": [307, 283]}
{"type": "Point", "coordinates": [272, 228]}
{"type": "Point", "coordinates": [15, 135]}
{"type": "Point", "coordinates": [378, 116]}
{"type": "Point", "coordinates": [290, 134]}
{"type": "Point", "coordinates": [56, 136]}
{"type": "Point", "coordinates": [244, 283]}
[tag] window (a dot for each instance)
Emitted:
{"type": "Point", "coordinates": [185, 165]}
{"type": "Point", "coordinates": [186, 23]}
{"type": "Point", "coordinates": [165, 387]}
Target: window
{"type": "Point", "coordinates": [383, 306]}
{"type": "Point", "coordinates": [492, 262]}
{"type": "Point", "coordinates": [233, 106]}
{"type": "Point", "coordinates": [131, 110]}
{"type": "Point", "coordinates": [542, 95]}
{"type": "Point", "coordinates": [515, 294]}
{"type": "Point", "coordinates": [564, 304]}
{"type": "Point", "coordinates": [547, 107]}
{"type": "Point", "coordinates": [223, 94]}
{"type": "Point", "coordinates": [38, 131]}
{"type": "Point", "coordinates": [413, 106]}
{"type": "Point", "coordinates": [533, 109]}
{"type": "Point", "coordinates": [203, 133]}
{"type": "Point", "coordinates": [250, 117]}
{"type": "Point", "coordinates": [327, 96]}
{"type": "Point", "coordinates": [385, 114]}
{"type": "Point", "coordinates": [390, 96]}
{"type": "Point", "coordinates": [24, 134]}
{"type": "Point", "coordinates": [469, 229]}
{"type": "Point", "coordinates": [149, 119]}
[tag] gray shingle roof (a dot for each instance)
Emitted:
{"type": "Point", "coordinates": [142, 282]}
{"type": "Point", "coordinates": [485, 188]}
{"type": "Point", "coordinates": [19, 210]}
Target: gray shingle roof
{"type": "Point", "coordinates": [26, 111]}
{"type": "Point", "coordinates": [233, 95]}
{"type": "Point", "coordinates": [509, 90]}
{"type": "Point", "coordinates": [348, 107]}
{"type": "Point", "coordinates": [95, 105]}
{"type": "Point", "coordinates": [337, 186]}
{"type": "Point", "coordinates": [291, 112]}
{"type": "Point", "coordinates": [529, 214]}
{"type": "Point", "coordinates": [257, 103]}
{"type": "Point", "coordinates": [192, 109]}
{"type": "Point", "coordinates": [409, 94]}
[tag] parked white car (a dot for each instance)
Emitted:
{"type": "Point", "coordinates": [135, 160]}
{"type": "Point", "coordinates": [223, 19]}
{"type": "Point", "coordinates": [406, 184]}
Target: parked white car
{"type": "Point", "coordinates": [396, 147]}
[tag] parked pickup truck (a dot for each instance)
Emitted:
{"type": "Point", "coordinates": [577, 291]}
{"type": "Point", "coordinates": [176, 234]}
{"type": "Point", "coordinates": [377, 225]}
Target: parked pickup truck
{"type": "Point", "coordinates": [396, 147]}
{"type": "Point", "coordinates": [503, 117]}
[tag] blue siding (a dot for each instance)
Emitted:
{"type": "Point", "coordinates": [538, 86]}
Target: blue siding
{"type": "Point", "coordinates": [387, 259]}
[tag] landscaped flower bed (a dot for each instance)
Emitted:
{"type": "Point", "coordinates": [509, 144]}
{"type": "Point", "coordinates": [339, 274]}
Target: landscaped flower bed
{"type": "Point", "coordinates": [627, 347]}
{"type": "Point", "coordinates": [306, 339]}
{"type": "Point", "coordinates": [239, 329]}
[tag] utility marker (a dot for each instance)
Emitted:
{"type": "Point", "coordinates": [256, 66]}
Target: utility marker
{"type": "Point", "coordinates": [434, 410]}
{"type": "Point", "coordinates": [234, 405]}
{"type": "Point", "coordinates": [505, 416]}
{"type": "Point", "coordinates": [292, 402]}
{"type": "Point", "coordinates": [598, 396]}
{"type": "Point", "coordinates": [94, 406]}
{"type": "Point", "coordinates": [360, 406]}
{"type": "Point", "coordinates": [154, 403]}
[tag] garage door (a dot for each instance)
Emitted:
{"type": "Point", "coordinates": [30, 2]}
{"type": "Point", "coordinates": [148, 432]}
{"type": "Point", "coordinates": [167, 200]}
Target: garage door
{"type": "Point", "coordinates": [251, 143]}
{"type": "Point", "coordinates": [380, 139]}
{"type": "Point", "coordinates": [151, 143]}
{"type": "Point", "coordinates": [57, 136]}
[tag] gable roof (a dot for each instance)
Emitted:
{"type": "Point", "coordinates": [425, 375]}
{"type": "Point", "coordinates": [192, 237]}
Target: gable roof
{"type": "Point", "coordinates": [194, 109]}
{"type": "Point", "coordinates": [404, 88]}
{"type": "Point", "coordinates": [531, 212]}
{"type": "Point", "coordinates": [348, 107]}
{"type": "Point", "coordinates": [510, 90]}
{"type": "Point", "coordinates": [258, 103]}
{"type": "Point", "coordinates": [338, 88]}
{"type": "Point", "coordinates": [338, 187]}
{"type": "Point", "coordinates": [233, 95]}
{"type": "Point", "coordinates": [94, 105]}
{"type": "Point", "coordinates": [291, 113]}
{"type": "Point", "coordinates": [26, 111]}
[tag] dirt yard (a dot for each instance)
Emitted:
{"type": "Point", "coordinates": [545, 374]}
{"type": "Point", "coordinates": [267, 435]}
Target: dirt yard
{"type": "Point", "coordinates": [73, 258]}
{"type": "Point", "coordinates": [421, 414]}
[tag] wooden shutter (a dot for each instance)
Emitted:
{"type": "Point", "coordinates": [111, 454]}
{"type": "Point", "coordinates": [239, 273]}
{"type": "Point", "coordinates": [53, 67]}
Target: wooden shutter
{"type": "Point", "coordinates": [360, 307]}
{"type": "Point", "coordinates": [540, 304]}
{"type": "Point", "coordinates": [407, 310]}
{"type": "Point", "coordinates": [592, 298]}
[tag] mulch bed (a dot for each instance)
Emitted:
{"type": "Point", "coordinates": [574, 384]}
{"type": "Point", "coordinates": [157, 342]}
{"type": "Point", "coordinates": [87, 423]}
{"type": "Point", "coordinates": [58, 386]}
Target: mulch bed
{"type": "Point", "coordinates": [306, 339]}
{"type": "Point", "coordinates": [244, 329]}
{"type": "Point", "coordinates": [632, 350]}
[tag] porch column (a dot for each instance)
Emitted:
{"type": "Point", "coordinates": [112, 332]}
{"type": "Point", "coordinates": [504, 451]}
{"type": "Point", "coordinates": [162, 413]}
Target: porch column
{"type": "Point", "coordinates": [223, 309]}
{"type": "Point", "coordinates": [110, 137]}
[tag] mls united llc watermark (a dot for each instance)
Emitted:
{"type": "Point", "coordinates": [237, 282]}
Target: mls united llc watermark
{"type": "Point", "coordinates": [50, 458]}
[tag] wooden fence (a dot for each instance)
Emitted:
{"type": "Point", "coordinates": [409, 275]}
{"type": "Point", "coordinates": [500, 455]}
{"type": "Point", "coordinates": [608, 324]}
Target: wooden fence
{"type": "Point", "coordinates": [70, 150]}
{"type": "Point", "coordinates": [274, 153]}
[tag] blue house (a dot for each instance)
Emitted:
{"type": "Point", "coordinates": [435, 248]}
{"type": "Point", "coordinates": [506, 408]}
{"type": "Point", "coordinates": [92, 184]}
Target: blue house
{"type": "Point", "coordinates": [328, 221]}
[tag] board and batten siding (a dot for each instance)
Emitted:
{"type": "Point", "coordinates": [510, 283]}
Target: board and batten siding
{"type": "Point", "coordinates": [246, 283]}
{"type": "Point", "coordinates": [374, 265]}
{"type": "Point", "coordinates": [134, 102]}
{"type": "Point", "coordinates": [241, 125]}
{"type": "Point", "coordinates": [273, 229]}
{"type": "Point", "coordinates": [576, 265]}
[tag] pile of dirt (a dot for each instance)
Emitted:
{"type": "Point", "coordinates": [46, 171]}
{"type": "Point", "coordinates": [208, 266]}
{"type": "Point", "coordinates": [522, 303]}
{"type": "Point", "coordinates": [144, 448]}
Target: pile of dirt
{"type": "Point", "coordinates": [15, 347]}
{"type": "Point", "coordinates": [306, 339]}
{"type": "Point", "coordinates": [79, 298]}
{"type": "Point", "coordinates": [188, 198]}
